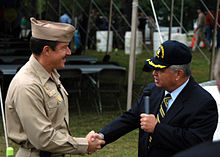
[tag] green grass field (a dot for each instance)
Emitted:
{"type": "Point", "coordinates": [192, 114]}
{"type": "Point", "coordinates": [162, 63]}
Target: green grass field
{"type": "Point", "coordinates": [89, 120]}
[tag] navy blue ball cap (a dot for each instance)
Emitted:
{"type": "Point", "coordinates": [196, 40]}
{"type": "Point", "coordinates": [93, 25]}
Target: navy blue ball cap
{"type": "Point", "coordinates": [169, 53]}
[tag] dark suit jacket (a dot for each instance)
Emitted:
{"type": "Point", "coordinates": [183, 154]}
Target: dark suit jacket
{"type": "Point", "coordinates": [192, 119]}
{"type": "Point", "coordinates": [207, 149]}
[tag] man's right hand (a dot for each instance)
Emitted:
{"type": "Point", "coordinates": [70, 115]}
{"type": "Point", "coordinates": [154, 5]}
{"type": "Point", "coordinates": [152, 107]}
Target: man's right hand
{"type": "Point", "coordinates": [95, 141]}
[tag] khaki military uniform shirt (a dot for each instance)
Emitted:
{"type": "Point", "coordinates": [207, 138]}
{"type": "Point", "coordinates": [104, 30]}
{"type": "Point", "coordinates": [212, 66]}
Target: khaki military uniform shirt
{"type": "Point", "coordinates": [201, 23]}
{"type": "Point", "coordinates": [200, 30]}
{"type": "Point", "coordinates": [37, 113]}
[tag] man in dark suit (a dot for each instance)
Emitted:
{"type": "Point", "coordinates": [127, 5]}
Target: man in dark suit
{"type": "Point", "coordinates": [206, 149]}
{"type": "Point", "coordinates": [186, 118]}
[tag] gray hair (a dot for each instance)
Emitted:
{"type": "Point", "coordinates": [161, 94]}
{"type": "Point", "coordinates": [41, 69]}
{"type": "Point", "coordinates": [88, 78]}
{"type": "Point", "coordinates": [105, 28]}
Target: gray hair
{"type": "Point", "coordinates": [217, 68]}
{"type": "Point", "coordinates": [185, 67]}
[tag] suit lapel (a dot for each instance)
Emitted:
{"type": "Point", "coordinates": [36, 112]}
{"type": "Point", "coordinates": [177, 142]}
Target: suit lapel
{"type": "Point", "coordinates": [176, 107]}
{"type": "Point", "coordinates": [178, 104]}
{"type": "Point", "coordinates": [157, 97]}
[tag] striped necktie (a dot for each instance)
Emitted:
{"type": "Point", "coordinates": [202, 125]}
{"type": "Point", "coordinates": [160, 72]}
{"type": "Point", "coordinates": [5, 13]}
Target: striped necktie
{"type": "Point", "coordinates": [163, 108]}
{"type": "Point", "coordinates": [162, 112]}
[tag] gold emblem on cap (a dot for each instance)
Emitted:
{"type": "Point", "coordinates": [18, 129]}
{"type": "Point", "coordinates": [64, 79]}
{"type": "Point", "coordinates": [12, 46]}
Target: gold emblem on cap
{"type": "Point", "coordinates": [59, 98]}
{"type": "Point", "coordinates": [160, 52]}
{"type": "Point", "coordinates": [47, 88]}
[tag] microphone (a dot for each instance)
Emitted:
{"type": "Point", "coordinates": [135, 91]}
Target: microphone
{"type": "Point", "coordinates": [146, 98]}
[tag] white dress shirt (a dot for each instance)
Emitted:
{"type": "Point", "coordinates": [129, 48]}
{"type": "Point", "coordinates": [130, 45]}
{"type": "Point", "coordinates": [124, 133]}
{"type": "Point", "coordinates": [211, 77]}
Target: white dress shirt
{"type": "Point", "coordinates": [174, 94]}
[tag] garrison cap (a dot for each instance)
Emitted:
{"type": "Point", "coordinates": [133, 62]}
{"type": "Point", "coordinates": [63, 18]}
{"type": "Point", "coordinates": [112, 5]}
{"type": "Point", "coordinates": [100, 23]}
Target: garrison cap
{"type": "Point", "coordinates": [169, 53]}
{"type": "Point", "coordinates": [53, 31]}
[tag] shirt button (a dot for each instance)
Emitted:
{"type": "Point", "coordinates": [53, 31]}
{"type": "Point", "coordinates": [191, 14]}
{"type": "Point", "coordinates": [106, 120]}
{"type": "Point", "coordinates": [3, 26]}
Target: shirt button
{"type": "Point", "coordinates": [47, 88]}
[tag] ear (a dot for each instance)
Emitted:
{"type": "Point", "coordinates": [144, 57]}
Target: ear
{"type": "Point", "coordinates": [180, 74]}
{"type": "Point", "coordinates": [46, 50]}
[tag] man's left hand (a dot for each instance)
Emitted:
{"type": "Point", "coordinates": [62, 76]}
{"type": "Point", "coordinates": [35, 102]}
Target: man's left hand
{"type": "Point", "coordinates": [148, 122]}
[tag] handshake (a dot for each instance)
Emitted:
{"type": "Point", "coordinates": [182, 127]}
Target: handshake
{"type": "Point", "coordinates": [94, 142]}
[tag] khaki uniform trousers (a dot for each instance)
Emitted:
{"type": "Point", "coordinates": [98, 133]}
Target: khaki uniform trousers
{"type": "Point", "coordinates": [24, 152]}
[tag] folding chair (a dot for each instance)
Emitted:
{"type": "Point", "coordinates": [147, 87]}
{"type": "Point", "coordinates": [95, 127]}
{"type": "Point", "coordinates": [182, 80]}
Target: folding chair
{"type": "Point", "coordinates": [77, 62]}
{"type": "Point", "coordinates": [71, 80]}
{"type": "Point", "coordinates": [110, 82]}
{"type": "Point", "coordinates": [20, 61]}
{"type": "Point", "coordinates": [1, 61]}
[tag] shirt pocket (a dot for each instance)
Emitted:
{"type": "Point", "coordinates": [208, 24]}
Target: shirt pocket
{"type": "Point", "coordinates": [55, 99]}
{"type": "Point", "coordinates": [52, 103]}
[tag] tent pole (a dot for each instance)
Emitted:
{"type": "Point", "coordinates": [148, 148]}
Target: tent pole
{"type": "Point", "coordinates": [132, 54]}
{"type": "Point", "coordinates": [212, 59]}
{"type": "Point", "coordinates": [181, 15]}
{"type": "Point", "coordinates": [109, 26]}
{"type": "Point", "coordinates": [171, 19]}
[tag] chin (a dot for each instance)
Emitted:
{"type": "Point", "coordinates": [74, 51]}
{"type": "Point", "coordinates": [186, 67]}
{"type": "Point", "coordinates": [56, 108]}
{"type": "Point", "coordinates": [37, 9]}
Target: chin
{"type": "Point", "coordinates": [158, 85]}
{"type": "Point", "coordinates": [61, 66]}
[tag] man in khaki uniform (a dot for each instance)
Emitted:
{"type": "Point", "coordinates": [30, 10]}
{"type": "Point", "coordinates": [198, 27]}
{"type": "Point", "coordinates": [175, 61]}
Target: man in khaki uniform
{"type": "Point", "coordinates": [37, 104]}
{"type": "Point", "coordinates": [200, 31]}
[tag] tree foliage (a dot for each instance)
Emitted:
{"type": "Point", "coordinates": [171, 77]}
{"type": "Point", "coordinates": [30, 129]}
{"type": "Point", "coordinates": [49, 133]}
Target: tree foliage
{"type": "Point", "coordinates": [125, 7]}
{"type": "Point", "coordinates": [162, 12]}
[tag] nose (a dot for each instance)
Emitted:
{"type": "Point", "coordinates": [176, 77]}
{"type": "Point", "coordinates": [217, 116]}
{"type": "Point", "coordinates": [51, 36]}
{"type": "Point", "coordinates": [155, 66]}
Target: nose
{"type": "Point", "coordinates": [68, 51]}
{"type": "Point", "coordinates": [154, 72]}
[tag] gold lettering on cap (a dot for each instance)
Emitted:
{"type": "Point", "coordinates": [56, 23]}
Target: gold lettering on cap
{"type": "Point", "coordinates": [160, 52]}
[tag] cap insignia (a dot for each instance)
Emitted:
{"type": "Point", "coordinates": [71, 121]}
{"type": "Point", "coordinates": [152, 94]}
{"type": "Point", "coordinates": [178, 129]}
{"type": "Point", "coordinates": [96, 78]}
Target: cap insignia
{"type": "Point", "coordinates": [160, 52]}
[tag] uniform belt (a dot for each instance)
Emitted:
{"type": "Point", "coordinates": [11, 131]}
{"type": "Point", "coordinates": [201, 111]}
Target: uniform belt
{"type": "Point", "coordinates": [45, 154]}
{"type": "Point", "coordinates": [35, 151]}
{"type": "Point", "coordinates": [27, 152]}
{"type": "Point", "coordinates": [29, 149]}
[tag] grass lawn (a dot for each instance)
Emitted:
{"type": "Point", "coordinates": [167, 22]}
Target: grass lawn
{"type": "Point", "coordinates": [127, 145]}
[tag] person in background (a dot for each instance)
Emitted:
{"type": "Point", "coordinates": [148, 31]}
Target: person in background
{"type": "Point", "coordinates": [181, 113]}
{"type": "Point", "coordinates": [217, 70]}
{"type": "Point", "coordinates": [141, 26]}
{"type": "Point", "coordinates": [152, 26]}
{"type": "Point", "coordinates": [200, 30]}
{"type": "Point", "coordinates": [82, 28]}
{"type": "Point", "coordinates": [65, 19]}
{"type": "Point", "coordinates": [209, 25]}
{"type": "Point", "coordinates": [36, 105]}
{"type": "Point", "coordinates": [206, 149]}
{"type": "Point", "coordinates": [218, 31]}
{"type": "Point", "coordinates": [92, 30]}
{"type": "Point", "coordinates": [116, 23]}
